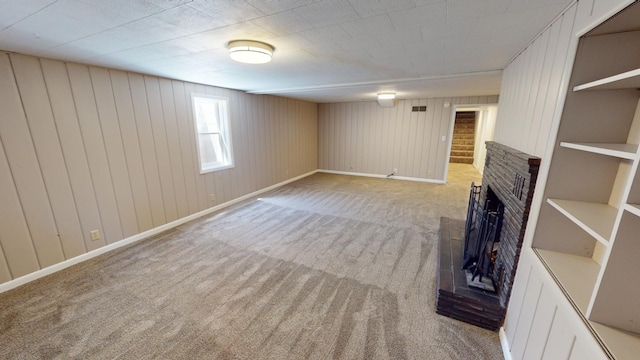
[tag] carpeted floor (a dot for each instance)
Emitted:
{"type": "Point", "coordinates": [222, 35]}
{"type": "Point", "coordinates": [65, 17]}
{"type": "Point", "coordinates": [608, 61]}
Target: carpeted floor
{"type": "Point", "coordinates": [328, 267]}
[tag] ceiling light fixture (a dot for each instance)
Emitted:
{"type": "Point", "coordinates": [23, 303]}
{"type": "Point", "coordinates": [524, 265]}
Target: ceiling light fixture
{"type": "Point", "coordinates": [250, 52]}
{"type": "Point", "coordinates": [386, 100]}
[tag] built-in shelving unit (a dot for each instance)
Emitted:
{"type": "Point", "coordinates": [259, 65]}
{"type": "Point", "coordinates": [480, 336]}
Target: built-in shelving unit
{"type": "Point", "coordinates": [588, 231]}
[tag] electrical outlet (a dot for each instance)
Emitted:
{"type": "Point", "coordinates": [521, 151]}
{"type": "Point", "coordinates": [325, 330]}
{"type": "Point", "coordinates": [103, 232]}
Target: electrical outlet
{"type": "Point", "coordinates": [95, 235]}
{"type": "Point", "coordinates": [212, 197]}
{"type": "Point", "coordinates": [395, 170]}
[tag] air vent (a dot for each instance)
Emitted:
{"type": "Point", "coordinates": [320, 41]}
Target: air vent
{"type": "Point", "coordinates": [419, 108]}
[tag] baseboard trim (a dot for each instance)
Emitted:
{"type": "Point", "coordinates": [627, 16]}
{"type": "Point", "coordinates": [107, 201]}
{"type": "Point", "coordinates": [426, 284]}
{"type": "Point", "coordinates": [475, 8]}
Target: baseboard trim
{"type": "Point", "coordinates": [505, 344]}
{"type": "Point", "coordinates": [12, 284]}
{"type": "Point", "coordinates": [393, 177]}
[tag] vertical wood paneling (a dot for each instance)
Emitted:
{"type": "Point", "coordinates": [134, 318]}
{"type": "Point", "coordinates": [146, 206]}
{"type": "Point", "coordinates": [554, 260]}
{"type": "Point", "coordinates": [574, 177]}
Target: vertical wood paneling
{"type": "Point", "coordinates": [112, 136]}
{"type": "Point", "coordinates": [531, 89]}
{"type": "Point", "coordinates": [541, 326]}
{"type": "Point", "coordinates": [161, 146]}
{"type": "Point", "coordinates": [550, 41]}
{"type": "Point", "coordinates": [202, 195]}
{"type": "Point", "coordinates": [173, 142]}
{"type": "Point", "coordinates": [147, 148]}
{"type": "Point", "coordinates": [562, 63]}
{"type": "Point", "coordinates": [5, 273]}
{"type": "Point", "coordinates": [365, 138]}
{"type": "Point", "coordinates": [87, 148]}
{"type": "Point", "coordinates": [593, 12]}
{"type": "Point", "coordinates": [35, 101]}
{"type": "Point", "coordinates": [14, 233]}
{"type": "Point", "coordinates": [439, 118]}
{"type": "Point", "coordinates": [77, 165]}
{"type": "Point", "coordinates": [94, 147]}
{"type": "Point", "coordinates": [446, 127]}
{"type": "Point", "coordinates": [25, 168]}
{"type": "Point", "coordinates": [187, 145]}
{"type": "Point", "coordinates": [527, 313]}
{"type": "Point", "coordinates": [560, 338]}
{"type": "Point", "coordinates": [132, 152]}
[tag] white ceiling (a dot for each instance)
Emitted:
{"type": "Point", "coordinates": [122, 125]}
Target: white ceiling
{"type": "Point", "coordinates": [326, 50]}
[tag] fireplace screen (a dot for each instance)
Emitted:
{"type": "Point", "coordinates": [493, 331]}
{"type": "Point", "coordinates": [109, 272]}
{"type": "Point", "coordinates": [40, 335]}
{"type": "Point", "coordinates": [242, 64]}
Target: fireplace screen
{"type": "Point", "coordinates": [482, 236]}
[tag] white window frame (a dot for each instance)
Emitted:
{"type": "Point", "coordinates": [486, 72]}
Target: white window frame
{"type": "Point", "coordinates": [224, 133]}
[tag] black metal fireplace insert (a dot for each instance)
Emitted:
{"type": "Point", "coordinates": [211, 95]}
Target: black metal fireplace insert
{"type": "Point", "coordinates": [481, 238]}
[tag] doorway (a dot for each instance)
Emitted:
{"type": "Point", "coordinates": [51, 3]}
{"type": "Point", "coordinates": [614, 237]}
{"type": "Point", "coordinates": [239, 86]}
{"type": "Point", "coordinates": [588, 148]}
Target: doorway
{"type": "Point", "coordinates": [472, 125]}
{"type": "Point", "coordinates": [463, 140]}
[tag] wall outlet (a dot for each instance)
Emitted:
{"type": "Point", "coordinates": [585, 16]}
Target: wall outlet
{"type": "Point", "coordinates": [212, 197]}
{"type": "Point", "coordinates": [95, 235]}
{"type": "Point", "coordinates": [395, 171]}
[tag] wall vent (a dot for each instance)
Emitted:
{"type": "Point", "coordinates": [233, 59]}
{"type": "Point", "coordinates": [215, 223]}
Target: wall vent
{"type": "Point", "coordinates": [419, 108]}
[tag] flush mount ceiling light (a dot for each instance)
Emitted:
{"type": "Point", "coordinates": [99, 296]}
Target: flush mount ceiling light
{"type": "Point", "coordinates": [250, 52]}
{"type": "Point", "coordinates": [386, 100]}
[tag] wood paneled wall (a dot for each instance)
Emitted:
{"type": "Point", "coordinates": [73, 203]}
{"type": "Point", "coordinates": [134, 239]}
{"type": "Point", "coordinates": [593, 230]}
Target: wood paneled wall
{"type": "Point", "coordinates": [362, 137]}
{"type": "Point", "coordinates": [540, 322]}
{"type": "Point", "coordinates": [86, 148]}
{"type": "Point", "coordinates": [532, 95]}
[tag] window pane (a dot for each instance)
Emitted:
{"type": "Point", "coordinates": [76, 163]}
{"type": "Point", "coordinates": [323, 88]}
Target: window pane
{"type": "Point", "coordinates": [211, 120]}
{"type": "Point", "coordinates": [211, 149]}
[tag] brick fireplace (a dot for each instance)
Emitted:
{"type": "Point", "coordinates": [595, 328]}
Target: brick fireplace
{"type": "Point", "coordinates": [511, 177]}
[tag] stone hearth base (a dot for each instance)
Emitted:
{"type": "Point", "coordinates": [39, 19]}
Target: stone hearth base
{"type": "Point", "coordinates": [454, 298]}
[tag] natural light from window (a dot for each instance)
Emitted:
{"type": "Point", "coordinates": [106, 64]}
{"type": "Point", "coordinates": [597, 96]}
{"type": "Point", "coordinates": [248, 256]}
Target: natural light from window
{"type": "Point", "coordinates": [211, 116]}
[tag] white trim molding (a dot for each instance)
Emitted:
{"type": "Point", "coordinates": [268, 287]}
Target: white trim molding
{"type": "Point", "coordinates": [12, 284]}
{"type": "Point", "coordinates": [392, 177]}
{"type": "Point", "coordinates": [505, 344]}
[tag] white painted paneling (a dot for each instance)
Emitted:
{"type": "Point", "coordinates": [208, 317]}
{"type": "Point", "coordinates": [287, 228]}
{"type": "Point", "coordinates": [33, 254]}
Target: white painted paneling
{"type": "Point", "coordinates": [362, 137]}
{"type": "Point", "coordinates": [5, 273]}
{"type": "Point", "coordinates": [109, 124]}
{"type": "Point", "coordinates": [173, 141]}
{"type": "Point", "coordinates": [541, 326]}
{"type": "Point", "coordinates": [38, 111]}
{"type": "Point", "coordinates": [14, 232]}
{"type": "Point", "coordinates": [77, 165]}
{"type": "Point", "coordinates": [86, 148]}
{"type": "Point", "coordinates": [593, 12]}
{"type": "Point", "coordinates": [131, 144]}
{"type": "Point", "coordinates": [526, 316]}
{"type": "Point", "coordinates": [147, 148]}
{"type": "Point", "coordinates": [532, 87]}
{"type": "Point", "coordinates": [159, 131]}
{"type": "Point", "coordinates": [94, 147]}
{"type": "Point", "coordinates": [25, 170]}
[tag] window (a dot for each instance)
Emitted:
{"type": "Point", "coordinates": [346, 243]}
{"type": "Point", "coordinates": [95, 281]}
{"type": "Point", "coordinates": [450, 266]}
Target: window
{"type": "Point", "coordinates": [211, 116]}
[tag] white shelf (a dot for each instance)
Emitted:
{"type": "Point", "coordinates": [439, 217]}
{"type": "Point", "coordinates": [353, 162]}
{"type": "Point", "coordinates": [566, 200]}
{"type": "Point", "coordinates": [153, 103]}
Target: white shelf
{"type": "Point", "coordinates": [626, 80]}
{"type": "Point", "coordinates": [633, 208]}
{"type": "Point", "coordinates": [576, 274]}
{"type": "Point", "coordinates": [624, 344]}
{"type": "Point", "coordinates": [623, 151]}
{"type": "Point", "coordinates": [595, 218]}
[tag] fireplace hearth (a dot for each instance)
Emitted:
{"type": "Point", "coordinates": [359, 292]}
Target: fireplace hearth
{"type": "Point", "coordinates": [478, 258]}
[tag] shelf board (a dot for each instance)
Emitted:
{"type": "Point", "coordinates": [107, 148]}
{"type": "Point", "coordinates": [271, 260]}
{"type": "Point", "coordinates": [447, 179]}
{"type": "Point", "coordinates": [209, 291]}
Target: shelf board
{"type": "Point", "coordinates": [595, 218]}
{"type": "Point", "coordinates": [626, 80]}
{"type": "Point", "coordinates": [576, 274]}
{"type": "Point", "coordinates": [633, 208]}
{"type": "Point", "coordinates": [623, 151]}
{"type": "Point", "coordinates": [624, 344]}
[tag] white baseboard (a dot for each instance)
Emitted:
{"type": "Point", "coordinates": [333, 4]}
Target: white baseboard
{"type": "Point", "coordinates": [91, 254]}
{"type": "Point", "coordinates": [394, 177]}
{"type": "Point", "coordinates": [505, 344]}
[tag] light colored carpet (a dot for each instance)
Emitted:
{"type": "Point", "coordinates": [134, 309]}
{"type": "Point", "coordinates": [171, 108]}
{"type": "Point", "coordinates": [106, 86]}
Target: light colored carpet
{"type": "Point", "coordinates": [328, 267]}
